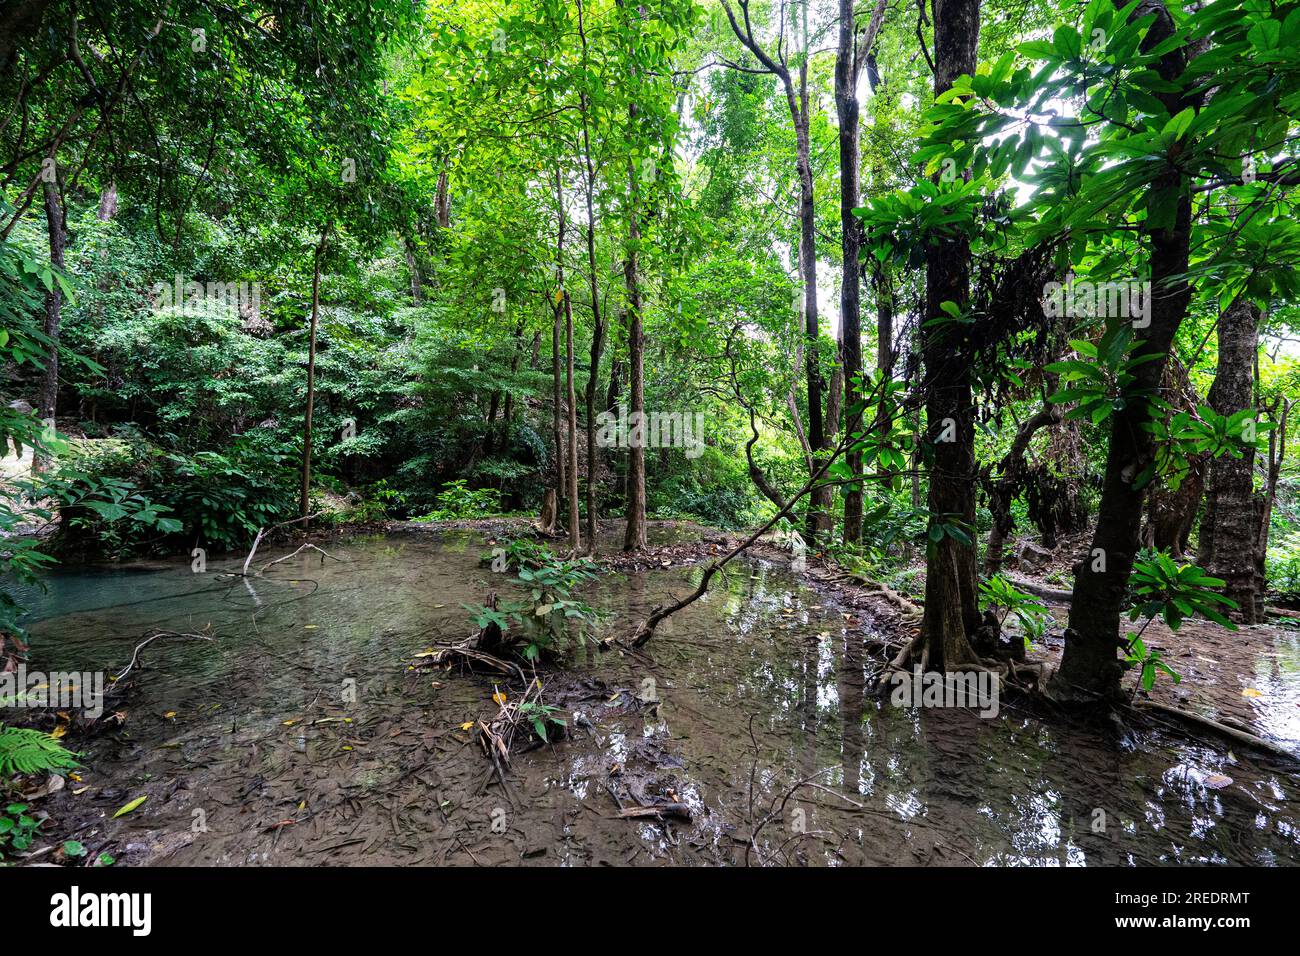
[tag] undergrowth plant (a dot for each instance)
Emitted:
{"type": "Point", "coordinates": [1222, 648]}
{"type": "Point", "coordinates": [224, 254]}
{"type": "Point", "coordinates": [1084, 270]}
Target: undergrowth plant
{"type": "Point", "coordinates": [25, 751]}
{"type": "Point", "coordinates": [1030, 613]}
{"type": "Point", "coordinates": [1163, 588]}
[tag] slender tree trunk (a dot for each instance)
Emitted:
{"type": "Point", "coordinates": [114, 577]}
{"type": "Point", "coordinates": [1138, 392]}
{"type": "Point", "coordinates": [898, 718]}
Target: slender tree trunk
{"type": "Point", "coordinates": [820, 519]}
{"type": "Point", "coordinates": [634, 538]}
{"type": "Point", "coordinates": [1002, 491]}
{"type": "Point", "coordinates": [304, 500]}
{"type": "Point", "coordinates": [884, 295]}
{"type": "Point", "coordinates": [575, 536]}
{"type": "Point", "coordinates": [1233, 509]}
{"type": "Point", "coordinates": [412, 266]}
{"type": "Point", "coordinates": [442, 201]}
{"type": "Point", "coordinates": [847, 71]}
{"type": "Point", "coordinates": [951, 580]}
{"type": "Point", "coordinates": [557, 379]}
{"type": "Point", "coordinates": [47, 398]}
{"type": "Point", "coordinates": [597, 320]}
{"type": "Point", "coordinates": [108, 202]}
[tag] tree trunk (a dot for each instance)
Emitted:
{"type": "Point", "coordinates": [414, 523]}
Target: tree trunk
{"type": "Point", "coordinates": [1089, 668]}
{"type": "Point", "coordinates": [820, 520]}
{"type": "Point", "coordinates": [634, 538]}
{"type": "Point", "coordinates": [847, 71]}
{"type": "Point", "coordinates": [107, 203]}
{"type": "Point", "coordinates": [557, 380]}
{"type": "Point", "coordinates": [597, 321]}
{"type": "Point", "coordinates": [417, 291]}
{"type": "Point", "coordinates": [47, 399]}
{"type": "Point", "coordinates": [951, 580]}
{"type": "Point", "coordinates": [575, 536]}
{"type": "Point", "coordinates": [1233, 509]}
{"type": "Point", "coordinates": [1003, 491]}
{"type": "Point", "coordinates": [304, 500]}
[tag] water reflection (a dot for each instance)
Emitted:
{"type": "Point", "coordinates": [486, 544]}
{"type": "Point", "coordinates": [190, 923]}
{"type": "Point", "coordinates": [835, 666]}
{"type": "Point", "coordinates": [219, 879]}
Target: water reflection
{"type": "Point", "coordinates": [260, 725]}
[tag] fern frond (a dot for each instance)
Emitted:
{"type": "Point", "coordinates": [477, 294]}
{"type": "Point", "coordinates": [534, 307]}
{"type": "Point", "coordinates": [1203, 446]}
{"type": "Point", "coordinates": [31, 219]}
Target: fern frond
{"type": "Point", "coordinates": [23, 750]}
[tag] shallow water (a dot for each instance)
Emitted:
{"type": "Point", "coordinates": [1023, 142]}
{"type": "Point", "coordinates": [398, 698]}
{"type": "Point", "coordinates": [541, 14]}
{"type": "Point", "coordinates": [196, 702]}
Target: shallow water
{"type": "Point", "coordinates": [253, 748]}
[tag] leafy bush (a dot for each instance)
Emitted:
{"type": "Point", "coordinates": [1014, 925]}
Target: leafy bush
{"type": "Point", "coordinates": [224, 504]}
{"type": "Point", "coordinates": [456, 502]}
{"type": "Point", "coordinates": [1282, 567]}
{"type": "Point", "coordinates": [543, 623]}
{"type": "Point", "coordinates": [111, 514]}
{"type": "Point", "coordinates": [1030, 613]}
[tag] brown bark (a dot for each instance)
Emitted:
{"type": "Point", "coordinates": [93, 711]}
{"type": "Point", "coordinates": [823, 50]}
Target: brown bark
{"type": "Point", "coordinates": [48, 396]}
{"type": "Point", "coordinates": [1233, 509]}
{"type": "Point", "coordinates": [1089, 668]}
{"type": "Point", "coordinates": [417, 290]}
{"type": "Point", "coordinates": [107, 203]}
{"type": "Point", "coordinates": [849, 60]}
{"type": "Point", "coordinates": [571, 472]}
{"type": "Point", "coordinates": [557, 381]}
{"type": "Point", "coordinates": [597, 320]}
{"type": "Point", "coordinates": [951, 581]}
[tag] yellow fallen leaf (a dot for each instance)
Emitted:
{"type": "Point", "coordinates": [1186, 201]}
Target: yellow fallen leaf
{"type": "Point", "coordinates": [59, 731]}
{"type": "Point", "coordinates": [130, 806]}
{"type": "Point", "coordinates": [467, 725]}
{"type": "Point", "coordinates": [1251, 692]}
{"type": "Point", "coordinates": [291, 722]}
{"type": "Point", "coordinates": [169, 715]}
{"type": "Point", "coordinates": [499, 698]}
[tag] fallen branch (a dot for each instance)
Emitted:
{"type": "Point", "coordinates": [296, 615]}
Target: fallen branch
{"type": "Point", "coordinates": [679, 810]}
{"type": "Point", "coordinates": [135, 655]}
{"type": "Point", "coordinates": [262, 532]}
{"type": "Point", "coordinates": [323, 555]}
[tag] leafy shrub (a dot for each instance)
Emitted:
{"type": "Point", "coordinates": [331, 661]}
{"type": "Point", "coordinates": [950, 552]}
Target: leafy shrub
{"type": "Point", "coordinates": [225, 504]}
{"type": "Point", "coordinates": [109, 514]}
{"type": "Point", "coordinates": [456, 502]}
{"type": "Point", "coordinates": [543, 623]}
{"type": "Point", "coordinates": [1030, 613]}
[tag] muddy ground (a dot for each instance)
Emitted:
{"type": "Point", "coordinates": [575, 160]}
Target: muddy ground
{"type": "Point", "coordinates": [302, 735]}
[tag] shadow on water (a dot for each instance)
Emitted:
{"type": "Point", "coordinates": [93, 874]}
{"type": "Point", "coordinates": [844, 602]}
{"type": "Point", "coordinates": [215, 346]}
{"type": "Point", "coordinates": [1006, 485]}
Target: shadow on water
{"type": "Point", "coordinates": [300, 737]}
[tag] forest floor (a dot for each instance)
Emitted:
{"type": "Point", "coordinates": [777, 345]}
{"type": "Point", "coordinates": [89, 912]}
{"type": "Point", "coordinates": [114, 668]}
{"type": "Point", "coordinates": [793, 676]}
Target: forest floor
{"type": "Point", "coordinates": [760, 694]}
{"type": "Point", "coordinates": [1235, 677]}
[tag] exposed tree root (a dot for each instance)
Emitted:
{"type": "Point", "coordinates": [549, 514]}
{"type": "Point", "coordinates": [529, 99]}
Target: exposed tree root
{"type": "Point", "coordinates": [1243, 736]}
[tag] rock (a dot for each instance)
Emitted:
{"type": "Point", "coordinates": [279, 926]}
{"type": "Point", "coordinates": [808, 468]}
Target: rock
{"type": "Point", "coordinates": [1032, 557]}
